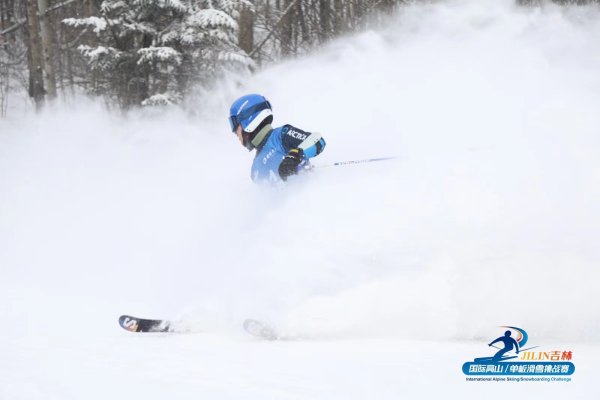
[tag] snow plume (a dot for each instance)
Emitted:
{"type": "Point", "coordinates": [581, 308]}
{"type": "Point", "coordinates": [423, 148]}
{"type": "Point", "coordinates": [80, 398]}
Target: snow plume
{"type": "Point", "coordinates": [489, 217]}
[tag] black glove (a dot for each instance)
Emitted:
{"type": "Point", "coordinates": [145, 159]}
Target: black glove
{"type": "Point", "coordinates": [290, 163]}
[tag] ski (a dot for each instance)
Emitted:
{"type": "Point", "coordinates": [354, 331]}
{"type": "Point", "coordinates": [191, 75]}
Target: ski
{"type": "Point", "coordinates": [492, 359]}
{"type": "Point", "coordinates": [134, 324]}
{"type": "Point", "coordinates": [253, 327]}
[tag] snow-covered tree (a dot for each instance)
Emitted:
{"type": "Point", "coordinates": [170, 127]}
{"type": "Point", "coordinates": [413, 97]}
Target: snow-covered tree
{"type": "Point", "coordinates": [153, 51]}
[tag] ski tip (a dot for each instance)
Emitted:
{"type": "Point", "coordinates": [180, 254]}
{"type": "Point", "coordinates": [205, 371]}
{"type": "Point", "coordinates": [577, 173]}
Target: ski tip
{"type": "Point", "coordinates": [134, 324]}
{"type": "Point", "coordinates": [129, 323]}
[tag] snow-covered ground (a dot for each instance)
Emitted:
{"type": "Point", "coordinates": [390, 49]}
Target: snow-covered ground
{"type": "Point", "coordinates": [395, 273]}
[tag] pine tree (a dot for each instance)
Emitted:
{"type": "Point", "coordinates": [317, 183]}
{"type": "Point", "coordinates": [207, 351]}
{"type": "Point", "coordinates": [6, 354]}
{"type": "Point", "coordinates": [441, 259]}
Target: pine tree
{"type": "Point", "coordinates": [152, 51]}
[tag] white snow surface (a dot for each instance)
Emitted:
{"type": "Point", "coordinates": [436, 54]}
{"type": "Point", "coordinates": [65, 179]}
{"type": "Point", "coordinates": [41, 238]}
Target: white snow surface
{"type": "Point", "coordinates": [393, 273]}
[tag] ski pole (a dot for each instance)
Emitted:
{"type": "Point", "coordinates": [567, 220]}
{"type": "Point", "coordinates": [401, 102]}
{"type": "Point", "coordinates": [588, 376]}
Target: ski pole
{"type": "Point", "coordinates": [529, 348]}
{"type": "Point", "coordinates": [368, 160]}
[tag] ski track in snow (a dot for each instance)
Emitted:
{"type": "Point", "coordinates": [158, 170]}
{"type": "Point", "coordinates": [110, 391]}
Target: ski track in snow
{"type": "Point", "coordinates": [396, 272]}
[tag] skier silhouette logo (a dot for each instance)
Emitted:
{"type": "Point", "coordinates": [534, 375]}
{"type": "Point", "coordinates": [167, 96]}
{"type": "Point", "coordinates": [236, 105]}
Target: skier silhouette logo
{"type": "Point", "coordinates": [512, 356]}
{"type": "Point", "coordinates": [513, 340]}
{"type": "Point", "coordinates": [509, 344]}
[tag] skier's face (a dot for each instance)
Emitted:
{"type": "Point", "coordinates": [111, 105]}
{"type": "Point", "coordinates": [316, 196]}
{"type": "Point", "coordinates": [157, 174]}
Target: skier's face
{"type": "Point", "coordinates": [238, 132]}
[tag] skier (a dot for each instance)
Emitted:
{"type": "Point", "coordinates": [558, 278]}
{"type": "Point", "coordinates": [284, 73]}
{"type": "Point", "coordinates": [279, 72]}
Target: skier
{"type": "Point", "coordinates": [280, 152]}
{"type": "Point", "coordinates": [509, 343]}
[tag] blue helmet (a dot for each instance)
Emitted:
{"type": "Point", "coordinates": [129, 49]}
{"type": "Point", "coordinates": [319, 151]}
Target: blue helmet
{"type": "Point", "coordinates": [249, 111]}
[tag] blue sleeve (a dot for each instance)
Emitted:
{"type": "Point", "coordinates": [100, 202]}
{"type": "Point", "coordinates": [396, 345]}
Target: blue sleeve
{"type": "Point", "coordinates": [311, 143]}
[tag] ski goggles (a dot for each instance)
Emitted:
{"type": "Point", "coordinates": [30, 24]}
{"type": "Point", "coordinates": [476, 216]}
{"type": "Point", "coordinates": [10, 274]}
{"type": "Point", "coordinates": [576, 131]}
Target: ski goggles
{"type": "Point", "coordinates": [236, 120]}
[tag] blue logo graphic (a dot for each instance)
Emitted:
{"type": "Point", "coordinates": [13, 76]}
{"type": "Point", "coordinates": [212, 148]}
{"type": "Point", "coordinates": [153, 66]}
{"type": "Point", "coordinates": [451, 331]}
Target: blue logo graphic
{"type": "Point", "coordinates": [513, 358]}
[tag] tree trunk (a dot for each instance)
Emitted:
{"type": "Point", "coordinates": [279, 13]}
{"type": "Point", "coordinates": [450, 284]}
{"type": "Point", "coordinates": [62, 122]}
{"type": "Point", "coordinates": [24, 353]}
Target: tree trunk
{"type": "Point", "coordinates": [286, 29]}
{"type": "Point", "coordinates": [48, 50]}
{"type": "Point", "coordinates": [324, 20]}
{"type": "Point", "coordinates": [35, 57]}
{"type": "Point", "coordinates": [338, 16]}
{"type": "Point", "coordinates": [246, 32]}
